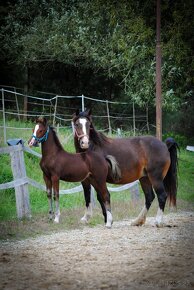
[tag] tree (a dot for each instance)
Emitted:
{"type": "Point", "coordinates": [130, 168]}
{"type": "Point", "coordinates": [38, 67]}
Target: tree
{"type": "Point", "coordinates": [114, 38]}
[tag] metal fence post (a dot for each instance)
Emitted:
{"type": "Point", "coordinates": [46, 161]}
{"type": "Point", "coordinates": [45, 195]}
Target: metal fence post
{"type": "Point", "coordinates": [83, 105]}
{"type": "Point", "coordinates": [108, 115]}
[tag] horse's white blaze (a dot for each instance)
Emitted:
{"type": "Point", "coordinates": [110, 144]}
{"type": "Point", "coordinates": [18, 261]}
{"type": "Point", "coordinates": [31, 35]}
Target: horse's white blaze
{"type": "Point", "coordinates": [33, 139]}
{"type": "Point", "coordinates": [140, 220]}
{"type": "Point", "coordinates": [84, 139]}
{"type": "Point", "coordinates": [83, 121]}
{"type": "Point", "coordinates": [88, 214]}
{"type": "Point", "coordinates": [109, 219]}
{"type": "Point", "coordinates": [36, 129]}
{"type": "Point", "coordinates": [159, 217]}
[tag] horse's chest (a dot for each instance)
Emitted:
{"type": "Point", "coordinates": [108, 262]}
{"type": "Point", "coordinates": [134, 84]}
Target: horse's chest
{"type": "Point", "coordinates": [47, 165]}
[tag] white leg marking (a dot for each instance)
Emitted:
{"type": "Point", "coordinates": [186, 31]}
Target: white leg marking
{"type": "Point", "coordinates": [109, 219]}
{"type": "Point", "coordinates": [57, 217]}
{"type": "Point", "coordinates": [57, 213]}
{"type": "Point", "coordinates": [159, 218]}
{"type": "Point", "coordinates": [140, 220]}
{"type": "Point", "coordinates": [87, 215]}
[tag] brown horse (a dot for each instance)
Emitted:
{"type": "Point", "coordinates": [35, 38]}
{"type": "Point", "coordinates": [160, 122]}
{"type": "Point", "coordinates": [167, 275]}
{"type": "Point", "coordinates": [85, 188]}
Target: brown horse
{"type": "Point", "coordinates": [145, 158]}
{"type": "Point", "coordinates": [57, 164]}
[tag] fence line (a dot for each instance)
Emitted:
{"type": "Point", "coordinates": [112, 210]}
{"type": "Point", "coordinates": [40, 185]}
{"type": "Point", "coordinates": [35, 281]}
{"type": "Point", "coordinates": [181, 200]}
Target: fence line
{"type": "Point", "coordinates": [104, 110]}
{"type": "Point", "coordinates": [21, 181]}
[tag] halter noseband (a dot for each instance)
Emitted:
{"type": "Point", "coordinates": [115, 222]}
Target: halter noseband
{"type": "Point", "coordinates": [81, 135]}
{"type": "Point", "coordinates": [43, 138]}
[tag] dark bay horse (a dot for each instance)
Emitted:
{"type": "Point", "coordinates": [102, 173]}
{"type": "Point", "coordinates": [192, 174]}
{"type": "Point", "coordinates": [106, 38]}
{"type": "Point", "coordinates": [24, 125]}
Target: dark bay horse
{"type": "Point", "coordinates": [57, 164]}
{"type": "Point", "coordinates": [144, 158]}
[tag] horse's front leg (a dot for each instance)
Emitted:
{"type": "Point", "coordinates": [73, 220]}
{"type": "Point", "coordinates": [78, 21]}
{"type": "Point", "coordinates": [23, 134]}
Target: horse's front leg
{"type": "Point", "coordinates": [87, 194]}
{"type": "Point", "coordinates": [55, 183]}
{"type": "Point", "coordinates": [48, 183]}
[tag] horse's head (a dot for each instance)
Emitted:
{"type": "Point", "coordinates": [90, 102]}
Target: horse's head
{"type": "Point", "coordinates": [40, 132]}
{"type": "Point", "coordinates": [81, 126]}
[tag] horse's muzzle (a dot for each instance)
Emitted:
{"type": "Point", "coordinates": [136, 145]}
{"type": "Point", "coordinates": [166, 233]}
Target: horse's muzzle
{"type": "Point", "coordinates": [84, 142]}
{"type": "Point", "coordinates": [33, 142]}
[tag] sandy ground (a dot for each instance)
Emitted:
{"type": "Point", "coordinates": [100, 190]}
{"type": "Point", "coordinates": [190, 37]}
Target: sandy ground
{"type": "Point", "coordinates": [124, 257]}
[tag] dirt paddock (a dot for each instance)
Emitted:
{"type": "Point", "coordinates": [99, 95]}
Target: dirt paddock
{"type": "Point", "coordinates": [123, 257]}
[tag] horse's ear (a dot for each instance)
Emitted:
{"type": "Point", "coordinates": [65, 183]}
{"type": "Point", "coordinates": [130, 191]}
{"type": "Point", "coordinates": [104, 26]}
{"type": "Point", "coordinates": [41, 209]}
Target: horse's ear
{"type": "Point", "coordinates": [88, 112]}
{"type": "Point", "coordinates": [44, 121]}
{"type": "Point", "coordinates": [77, 112]}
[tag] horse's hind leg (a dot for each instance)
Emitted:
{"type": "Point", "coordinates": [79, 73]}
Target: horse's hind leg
{"type": "Point", "coordinates": [149, 197]}
{"type": "Point", "coordinates": [162, 196]}
{"type": "Point", "coordinates": [49, 194]}
{"type": "Point", "coordinates": [88, 212]}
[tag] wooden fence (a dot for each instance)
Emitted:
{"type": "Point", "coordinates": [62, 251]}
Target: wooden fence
{"type": "Point", "coordinates": [21, 181]}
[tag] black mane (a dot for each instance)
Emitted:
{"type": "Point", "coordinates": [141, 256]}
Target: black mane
{"type": "Point", "coordinates": [56, 139]}
{"type": "Point", "coordinates": [97, 138]}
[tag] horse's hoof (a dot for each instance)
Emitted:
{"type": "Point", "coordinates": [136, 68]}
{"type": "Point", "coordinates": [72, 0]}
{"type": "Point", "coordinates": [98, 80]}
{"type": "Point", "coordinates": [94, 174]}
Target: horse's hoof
{"type": "Point", "coordinates": [84, 220]}
{"type": "Point", "coordinates": [108, 226]}
{"type": "Point", "coordinates": [56, 220]}
{"type": "Point", "coordinates": [138, 223]}
{"type": "Point", "coordinates": [159, 225]}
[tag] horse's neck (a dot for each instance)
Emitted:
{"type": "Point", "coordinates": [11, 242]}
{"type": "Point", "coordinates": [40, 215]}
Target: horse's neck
{"type": "Point", "coordinates": [50, 147]}
{"type": "Point", "coordinates": [98, 139]}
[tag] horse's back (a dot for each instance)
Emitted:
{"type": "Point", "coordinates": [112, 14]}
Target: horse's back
{"type": "Point", "coordinates": [140, 145]}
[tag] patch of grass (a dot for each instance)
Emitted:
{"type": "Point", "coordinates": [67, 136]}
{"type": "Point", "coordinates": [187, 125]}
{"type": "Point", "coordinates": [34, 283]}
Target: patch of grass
{"type": "Point", "coordinates": [186, 176]}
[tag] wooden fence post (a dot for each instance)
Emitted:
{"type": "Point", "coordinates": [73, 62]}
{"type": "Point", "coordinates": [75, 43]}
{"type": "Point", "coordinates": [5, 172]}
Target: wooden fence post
{"type": "Point", "coordinates": [4, 125]}
{"type": "Point", "coordinates": [55, 111]}
{"type": "Point", "coordinates": [21, 191]}
{"type": "Point", "coordinates": [108, 115]}
{"type": "Point", "coordinates": [134, 126]}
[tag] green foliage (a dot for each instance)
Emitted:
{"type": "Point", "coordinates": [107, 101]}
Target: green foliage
{"type": "Point", "coordinates": [116, 38]}
{"type": "Point", "coordinates": [186, 175]}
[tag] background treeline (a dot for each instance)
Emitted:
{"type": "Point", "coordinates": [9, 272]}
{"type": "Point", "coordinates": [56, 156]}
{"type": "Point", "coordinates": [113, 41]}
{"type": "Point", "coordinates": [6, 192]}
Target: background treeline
{"type": "Point", "coordinates": [104, 49]}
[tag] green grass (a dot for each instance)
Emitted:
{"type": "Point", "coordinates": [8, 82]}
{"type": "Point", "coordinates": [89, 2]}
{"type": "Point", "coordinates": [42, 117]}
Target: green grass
{"type": "Point", "coordinates": [186, 176]}
{"type": "Point", "coordinates": [73, 205]}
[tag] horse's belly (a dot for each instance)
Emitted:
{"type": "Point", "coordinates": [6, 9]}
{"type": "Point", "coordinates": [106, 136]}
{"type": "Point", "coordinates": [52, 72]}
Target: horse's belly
{"type": "Point", "coordinates": [128, 175]}
{"type": "Point", "coordinates": [123, 180]}
{"type": "Point", "coordinates": [75, 175]}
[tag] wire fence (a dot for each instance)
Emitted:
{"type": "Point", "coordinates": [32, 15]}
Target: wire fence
{"type": "Point", "coordinates": [108, 116]}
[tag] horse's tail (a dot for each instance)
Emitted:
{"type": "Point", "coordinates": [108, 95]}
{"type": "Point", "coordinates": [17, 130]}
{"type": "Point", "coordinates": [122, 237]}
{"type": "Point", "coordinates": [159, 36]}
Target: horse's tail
{"type": "Point", "coordinates": [171, 180]}
{"type": "Point", "coordinates": [115, 169]}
